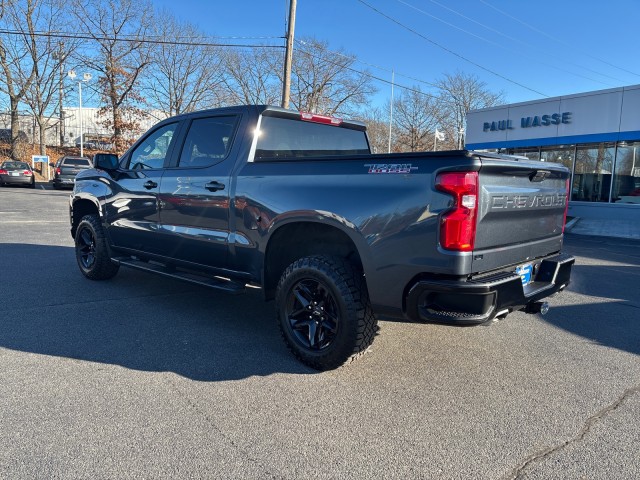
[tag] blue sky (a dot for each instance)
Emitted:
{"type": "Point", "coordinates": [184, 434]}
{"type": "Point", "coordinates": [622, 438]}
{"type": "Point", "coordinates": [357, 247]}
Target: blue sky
{"type": "Point", "coordinates": [527, 49]}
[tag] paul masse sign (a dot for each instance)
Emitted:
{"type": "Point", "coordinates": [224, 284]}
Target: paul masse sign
{"type": "Point", "coordinates": [601, 116]}
{"type": "Point", "coordinates": [527, 122]}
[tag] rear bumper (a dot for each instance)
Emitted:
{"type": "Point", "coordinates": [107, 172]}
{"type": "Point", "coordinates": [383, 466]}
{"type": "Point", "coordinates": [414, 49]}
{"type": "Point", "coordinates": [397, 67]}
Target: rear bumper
{"type": "Point", "coordinates": [64, 180]}
{"type": "Point", "coordinates": [22, 180]}
{"type": "Point", "coordinates": [477, 301]}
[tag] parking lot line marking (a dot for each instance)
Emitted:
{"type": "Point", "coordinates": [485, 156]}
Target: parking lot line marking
{"type": "Point", "coordinates": [2, 222]}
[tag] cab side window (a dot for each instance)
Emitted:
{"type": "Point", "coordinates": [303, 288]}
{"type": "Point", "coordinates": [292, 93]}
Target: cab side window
{"type": "Point", "coordinates": [153, 150]}
{"type": "Point", "coordinates": [208, 141]}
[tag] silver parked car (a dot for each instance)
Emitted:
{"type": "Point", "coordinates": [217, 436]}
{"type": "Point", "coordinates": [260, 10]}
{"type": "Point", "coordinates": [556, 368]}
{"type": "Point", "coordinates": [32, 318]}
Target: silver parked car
{"type": "Point", "coordinates": [16, 173]}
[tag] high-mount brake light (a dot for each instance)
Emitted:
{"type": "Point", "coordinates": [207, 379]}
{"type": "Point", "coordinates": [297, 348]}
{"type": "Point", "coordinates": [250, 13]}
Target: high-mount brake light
{"type": "Point", "coordinates": [566, 205]}
{"type": "Point", "coordinates": [312, 117]}
{"type": "Point", "coordinates": [458, 224]}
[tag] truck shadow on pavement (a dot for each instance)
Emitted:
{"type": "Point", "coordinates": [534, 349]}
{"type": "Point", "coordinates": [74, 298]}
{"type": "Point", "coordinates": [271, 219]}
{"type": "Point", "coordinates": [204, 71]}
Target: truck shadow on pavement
{"type": "Point", "coordinates": [136, 320]}
{"type": "Point", "coordinates": [607, 275]}
{"type": "Point", "coordinates": [612, 324]}
{"type": "Point", "coordinates": [148, 323]}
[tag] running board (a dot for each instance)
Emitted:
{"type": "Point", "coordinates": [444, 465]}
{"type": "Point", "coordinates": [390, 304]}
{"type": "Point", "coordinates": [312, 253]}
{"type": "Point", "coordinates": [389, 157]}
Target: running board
{"type": "Point", "coordinates": [228, 286]}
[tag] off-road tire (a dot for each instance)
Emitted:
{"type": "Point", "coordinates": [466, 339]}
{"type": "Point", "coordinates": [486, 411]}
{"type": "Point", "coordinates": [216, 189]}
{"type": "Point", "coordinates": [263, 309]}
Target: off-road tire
{"type": "Point", "coordinates": [337, 285]}
{"type": "Point", "coordinates": [92, 253]}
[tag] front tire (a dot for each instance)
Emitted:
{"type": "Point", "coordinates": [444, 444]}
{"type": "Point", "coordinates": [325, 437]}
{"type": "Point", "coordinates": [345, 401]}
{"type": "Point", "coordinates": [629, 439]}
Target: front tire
{"type": "Point", "coordinates": [324, 313]}
{"type": "Point", "coordinates": [92, 253]}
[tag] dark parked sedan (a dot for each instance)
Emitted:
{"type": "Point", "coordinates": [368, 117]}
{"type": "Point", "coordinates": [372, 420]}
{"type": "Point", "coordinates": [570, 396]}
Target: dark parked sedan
{"type": "Point", "coordinates": [66, 169]}
{"type": "Point", "coordinates": [16, 173]}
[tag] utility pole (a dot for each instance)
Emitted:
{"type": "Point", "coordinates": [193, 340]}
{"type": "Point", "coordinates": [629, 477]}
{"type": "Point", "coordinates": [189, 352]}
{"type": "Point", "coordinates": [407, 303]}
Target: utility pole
{"type": "Point", "coordinates": [61, 93]}
{"type": "Point", "coordinates": [288, 56]}
{"type": "Point", "coordinates": [393, 74]}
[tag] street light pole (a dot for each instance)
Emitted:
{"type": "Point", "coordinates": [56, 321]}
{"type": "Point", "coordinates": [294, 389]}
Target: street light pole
{"type": "Point", "coordinates": [85, 78]}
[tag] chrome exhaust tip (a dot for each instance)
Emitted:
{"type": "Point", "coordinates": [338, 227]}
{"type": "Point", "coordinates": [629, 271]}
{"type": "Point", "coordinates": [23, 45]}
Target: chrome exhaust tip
{"type": "Point", "coordinates": [537, 307]}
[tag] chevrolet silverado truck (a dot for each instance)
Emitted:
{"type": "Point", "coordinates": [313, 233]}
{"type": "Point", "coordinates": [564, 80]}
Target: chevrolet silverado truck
{"type": "Point", "coordinates": [296, 204]}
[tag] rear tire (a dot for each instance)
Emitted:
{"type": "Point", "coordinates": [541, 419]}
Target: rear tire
{"type": "Point", "coordinates": [92, 252]}
{"type": "Point", "coordinates": [323, 311]}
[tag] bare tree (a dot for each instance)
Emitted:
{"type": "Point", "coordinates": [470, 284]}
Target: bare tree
{"type": "Point", "coordinates": [51, 55]}
{"type": "Point", "coordinates": [415, 119]}
{"type": "Point", "coordinates": [18, 58]}
{"type": "Point", "coordinates": [325, 82]}
{"type": "Point", "coordinates": [459, 94]}
{"type": "Point", "coordinates": [251, 78]}
{"type": "Point", "coordinates": [183, 78]}
{"type": "Point", "coordinates": [377, 123]}
{"type": "Point", "coordinates": [120, 56]}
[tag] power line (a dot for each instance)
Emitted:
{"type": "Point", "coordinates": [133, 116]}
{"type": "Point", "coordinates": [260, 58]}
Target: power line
{"type": "Point", "coordinates": [136, 39]}
{"type": "Point", "coordinates": [379, 67]}
{"type": "Point", "coordinates": [370, 75]}
{"type": "Point", "coordinates": [541, 32]}
{"type": "Point", "coordinates": [449, 50]}
{"type": "Point", "coordinates": [503, 47]}
{"type": "Point", "coordinates": [508, 37]}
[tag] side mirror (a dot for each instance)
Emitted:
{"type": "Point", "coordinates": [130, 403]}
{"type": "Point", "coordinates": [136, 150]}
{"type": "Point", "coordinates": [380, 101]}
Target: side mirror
{"type": "Point", "coordinates": [105, 161]}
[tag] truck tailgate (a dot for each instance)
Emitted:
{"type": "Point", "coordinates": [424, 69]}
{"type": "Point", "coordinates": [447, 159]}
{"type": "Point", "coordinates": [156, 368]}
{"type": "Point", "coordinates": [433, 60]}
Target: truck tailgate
{"type": "Point", "coordinates": [521, 211]}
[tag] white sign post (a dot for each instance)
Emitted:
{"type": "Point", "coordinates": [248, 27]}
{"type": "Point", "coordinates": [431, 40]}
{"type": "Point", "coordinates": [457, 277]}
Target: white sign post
{"type": "Point", "coordinates": [41, 159]}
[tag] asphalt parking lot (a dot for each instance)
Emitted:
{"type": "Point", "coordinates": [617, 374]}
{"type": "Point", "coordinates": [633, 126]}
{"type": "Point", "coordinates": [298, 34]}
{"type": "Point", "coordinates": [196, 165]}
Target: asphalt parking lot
{"type": "Point", "coordinates": [146, 377]}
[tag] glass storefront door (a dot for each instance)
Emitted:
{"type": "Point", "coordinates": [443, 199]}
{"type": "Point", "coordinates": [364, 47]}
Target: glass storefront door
{"type": "Point", "coordinates": [593, 171]}
{"type": "Point", "coordinates": [626, 176]}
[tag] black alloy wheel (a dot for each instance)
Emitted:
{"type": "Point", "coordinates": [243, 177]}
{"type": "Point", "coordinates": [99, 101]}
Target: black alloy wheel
{"type": "Point", "coordinates": [312, 314]}
{"type": "Point", "coordinates": [86, 245]}
{"type": "Point", "coordinates": [323, 311]}
{"type": "Point", "coordinates": [92, 252]}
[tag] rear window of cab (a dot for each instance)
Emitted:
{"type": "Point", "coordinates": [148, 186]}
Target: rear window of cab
{"type": "Point", "coordinates": [77, 162]}
{"type": "Point", "coordinates": [289, 139]}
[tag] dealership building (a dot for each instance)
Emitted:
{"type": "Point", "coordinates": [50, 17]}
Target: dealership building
{"type": "Point", "coordinates": [596, 135]}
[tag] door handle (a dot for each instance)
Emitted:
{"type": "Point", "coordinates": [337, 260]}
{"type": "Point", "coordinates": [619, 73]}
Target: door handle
{"type": "Point", "coordinates": [214, 186]}
{"type": "Point", "coordinates": [150, 184]}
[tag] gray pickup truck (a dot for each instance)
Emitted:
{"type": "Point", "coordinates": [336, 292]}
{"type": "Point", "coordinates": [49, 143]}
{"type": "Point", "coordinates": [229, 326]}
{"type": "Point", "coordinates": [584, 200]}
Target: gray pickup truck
{"type": "Point", "coordinates": [295, 203]}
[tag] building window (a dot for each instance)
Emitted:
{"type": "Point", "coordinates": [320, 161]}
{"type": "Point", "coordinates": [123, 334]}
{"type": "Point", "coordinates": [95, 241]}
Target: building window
{"type": "Point", "coordinates": [592, 175]}
{"type": "Point", "coordinates": [530, 153]}
{"type": "Point", "coordinates": [626, 176]}
{"type": "Point", "coordinates": [562, 155]}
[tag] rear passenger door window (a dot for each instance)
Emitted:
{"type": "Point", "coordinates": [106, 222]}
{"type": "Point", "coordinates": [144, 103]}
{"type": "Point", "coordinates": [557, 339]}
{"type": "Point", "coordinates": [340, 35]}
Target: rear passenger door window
{"type": "Point", "coordinates": [208, 141]}
{"type": "Point", "coordinates": [154, 149]}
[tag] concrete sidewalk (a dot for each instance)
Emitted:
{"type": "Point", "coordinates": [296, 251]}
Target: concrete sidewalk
{"type": "Point", "coordinates": [604, 228]}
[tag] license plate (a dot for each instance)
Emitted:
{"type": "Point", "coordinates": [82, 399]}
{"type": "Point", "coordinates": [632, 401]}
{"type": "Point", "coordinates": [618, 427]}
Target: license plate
{"type": "Point", "coordinates": [525, 272]}
{"type": "Point", "coordinates": [14, 174]}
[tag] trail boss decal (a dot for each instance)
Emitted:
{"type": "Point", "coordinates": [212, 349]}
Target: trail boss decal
{"type": "Point", "coordinates": [390, 167]}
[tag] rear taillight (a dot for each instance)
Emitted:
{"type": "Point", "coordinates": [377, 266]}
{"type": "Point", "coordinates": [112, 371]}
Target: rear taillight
{"type": "Point", "coordinates": [57, 170]}
{"type": "Point", "coordinates": [566, 205]}
{"type": "Point", "coordinates": [27, 173]}
{"type": "Point", "coordinates": [3, 172]}
{"type": "Point", "coordinates": [458, 224]}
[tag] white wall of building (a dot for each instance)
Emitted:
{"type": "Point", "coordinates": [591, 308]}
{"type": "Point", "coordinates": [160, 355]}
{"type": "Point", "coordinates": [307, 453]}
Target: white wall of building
{"type": "Point", "coordinates": [601, 116]}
